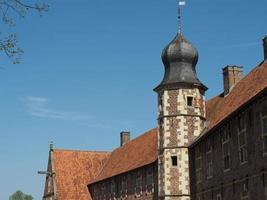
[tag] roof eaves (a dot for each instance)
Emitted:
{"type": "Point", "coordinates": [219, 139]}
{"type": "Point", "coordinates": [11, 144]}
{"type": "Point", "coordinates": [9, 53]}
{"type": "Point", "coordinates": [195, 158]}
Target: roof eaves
{"type": "Point", "coordinates": [210, 131]}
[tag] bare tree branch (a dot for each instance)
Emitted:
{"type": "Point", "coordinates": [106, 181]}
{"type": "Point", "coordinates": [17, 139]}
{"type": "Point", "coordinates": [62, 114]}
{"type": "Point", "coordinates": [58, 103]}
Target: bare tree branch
{"type": "Point", "coordinates": [9, 9]}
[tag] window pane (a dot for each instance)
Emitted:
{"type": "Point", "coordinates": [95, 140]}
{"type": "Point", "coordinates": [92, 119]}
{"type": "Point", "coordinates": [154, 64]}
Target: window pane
{"type": "Point", "coordinates": [242, 138]}
{"type": "Point", "coordinates": [208, 145]}
{"type": "Point", "coordinates": [243, 155]}
{"type": "Point", "coordinates": [265, 125]}
{"type": "Point", "coordinates": [225, 136]}
{"type": "Point", "coordinates": [219, 197]}
{"type": "Point", "coordinates": [198, 176]}
{"type": "Point", "coordinates": [189, 101]}
{"type": "Point", "coordinates": [225, 149]}
{"type": "Point", "coordinates": [241, 122]}
{"type": "Point", "coordinates": [226, 162]}
{"type": "Point", "coordinates": [174, 160]}
{"type": "Point", "coordinates": [265, 144]}
{"type": "Point", "coordinates": [198, 163]}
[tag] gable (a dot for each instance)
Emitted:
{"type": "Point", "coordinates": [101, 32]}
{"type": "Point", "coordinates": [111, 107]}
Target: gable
{"type": "Point", "coordinates": [74, 169]}
{"type": "Point", "coordinates": [49, 182]}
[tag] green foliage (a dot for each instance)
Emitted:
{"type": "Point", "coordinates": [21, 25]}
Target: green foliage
{"type": "Point", "coordinates": [19, 195]}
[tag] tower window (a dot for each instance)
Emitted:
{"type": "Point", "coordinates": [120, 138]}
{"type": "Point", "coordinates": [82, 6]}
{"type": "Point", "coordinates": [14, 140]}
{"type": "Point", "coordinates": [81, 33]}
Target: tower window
{"type": "Point", "coordinates": [189, 101]}
{"type": "Point", "coordinates": [174, 161]}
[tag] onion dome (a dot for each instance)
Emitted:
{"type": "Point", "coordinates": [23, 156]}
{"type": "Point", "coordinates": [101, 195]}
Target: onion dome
{"type": "Point", "coordinates": [180, 59]}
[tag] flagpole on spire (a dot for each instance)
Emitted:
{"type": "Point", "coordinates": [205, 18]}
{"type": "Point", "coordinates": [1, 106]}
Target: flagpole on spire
{"type": "Point", "coordinates": [181, 3]}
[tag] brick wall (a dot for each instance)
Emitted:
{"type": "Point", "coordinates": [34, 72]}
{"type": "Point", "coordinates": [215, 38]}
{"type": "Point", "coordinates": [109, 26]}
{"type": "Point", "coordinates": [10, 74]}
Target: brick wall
{"type": "Point", "coordinates": [138, 184]}
{"type": "Point", "coordinates": [181, 119]}
{"type": "Point", "coordinates": [246, 178]}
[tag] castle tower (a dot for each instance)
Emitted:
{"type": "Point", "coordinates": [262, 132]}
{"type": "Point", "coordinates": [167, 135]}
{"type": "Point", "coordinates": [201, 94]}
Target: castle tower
{"type": "Point", "coordinates": [181, 117]}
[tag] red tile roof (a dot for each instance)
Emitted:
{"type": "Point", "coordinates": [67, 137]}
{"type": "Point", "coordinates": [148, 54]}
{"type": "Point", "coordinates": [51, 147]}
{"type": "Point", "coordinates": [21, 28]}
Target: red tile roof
{"type": "Point", "coordinates": [134, 154]}
{"type": "Point", "coordinates": [219, 107]}
{"type": "Point", "coordinates": [143, 150]}
{"type": "Point", "coordinates": [74, 169]}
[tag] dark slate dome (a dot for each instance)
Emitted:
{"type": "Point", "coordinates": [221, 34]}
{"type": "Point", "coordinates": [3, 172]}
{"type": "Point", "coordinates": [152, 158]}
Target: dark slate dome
{"type": "Point", "coordinates": [180, 59]}
{"type": "Point", "coordinates": [179, 50]}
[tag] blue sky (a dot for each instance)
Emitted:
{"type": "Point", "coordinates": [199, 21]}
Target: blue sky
{"type": "Point", "coordinates": [90, 66]}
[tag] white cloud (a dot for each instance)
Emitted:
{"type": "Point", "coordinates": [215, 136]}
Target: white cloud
{"type": "Point", "coordinates": [38, 107]}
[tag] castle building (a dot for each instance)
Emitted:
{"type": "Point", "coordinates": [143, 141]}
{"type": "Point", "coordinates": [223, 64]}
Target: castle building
{"type": "Point", "coordinates": [201, 150]}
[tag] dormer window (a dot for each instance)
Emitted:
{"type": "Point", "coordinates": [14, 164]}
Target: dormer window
{"type": "Point", "coordinates": [189, 101]}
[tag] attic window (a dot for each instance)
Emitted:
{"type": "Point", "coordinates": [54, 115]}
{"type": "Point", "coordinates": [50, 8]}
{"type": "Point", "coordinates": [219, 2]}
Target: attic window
{"type": "Point", "coordinates": [174, 160]}
{"type": "Point", "coordinates": [189, 101]}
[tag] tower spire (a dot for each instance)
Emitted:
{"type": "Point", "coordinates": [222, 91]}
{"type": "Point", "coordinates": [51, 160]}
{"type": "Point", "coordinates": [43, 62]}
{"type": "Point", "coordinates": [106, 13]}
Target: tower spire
{"type": "Point", "coordinates": [180, 4]}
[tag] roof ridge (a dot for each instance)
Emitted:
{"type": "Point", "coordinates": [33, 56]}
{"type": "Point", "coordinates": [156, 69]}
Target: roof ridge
{"type": "Point", "coordinates": [85, 151]}
{"type": "Point", "coordinates": [246, 76]}
{"type": "Point", "coordinates": [216, 96]}
{"type": "Point", "coordinates": [251, 85]}
{"type": "Point", "coordinates": [119, 148]}
{"type": "Point", "coordinates": [100, 171]}
{"type": "Point", "coordinates": [254, 68]}
{"type": "Point", "coordinates": [133, 140]}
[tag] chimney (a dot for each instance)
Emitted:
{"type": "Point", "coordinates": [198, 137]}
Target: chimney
{"type": "Point", "coordinates": [231, 76]}
{"type": "Point", "coordinates": [265, 47]}
{"type": "Point", "coordinates": [125, 137]}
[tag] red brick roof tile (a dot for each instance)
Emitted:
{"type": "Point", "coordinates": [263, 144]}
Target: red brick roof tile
{"type": "Point", "coordinates": [219, 108]}
{"type": "Point", "coordinates": [143, 150]}
{"type": "Point", "coordinates": [134, 154]}
{"type": "Point", "coordinates": [74, 169]}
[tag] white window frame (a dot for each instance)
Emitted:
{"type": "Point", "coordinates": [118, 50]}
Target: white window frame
{"type": "Point", "coordinates": [263, 117]}
{"type": "Point", "coordinates": [149, 180]}
{"type": "Point", "coordinates": [226, 142]}
{"type": "Point", "coordinates": [242, 148]}
{"type": "Point", "coordinates": [209, 160]}
{"type": "Point", "coordinates": [245, 190]}
{"type": "Point", "coordinates": [124, 191]}
{"type": "Point", "coordinates": [138, 184]}
{"type": "Point", "coordinates": [219, 196]}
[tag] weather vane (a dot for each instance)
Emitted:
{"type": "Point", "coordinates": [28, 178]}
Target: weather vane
{"type": "Point", "coordinates": [181, 3]}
